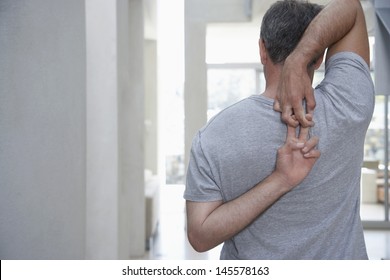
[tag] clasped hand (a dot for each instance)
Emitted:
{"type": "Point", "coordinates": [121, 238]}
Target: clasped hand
{"type": "Point", "coordinates": [294, 87]}
{"type": "Point", "coordinates": [298, 154]}
{"type": "Point", "coordinates": [296, 157]}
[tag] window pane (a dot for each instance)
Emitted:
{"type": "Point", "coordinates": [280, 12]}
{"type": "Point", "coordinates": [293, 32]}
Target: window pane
{"type": "Point", "coordinates": [174, 137]}
{"type": "Point", "coordinates": [318, 77]}
{"type": "Point", "coordinates": [170, 55]}
{"type": "Point", "coordinates": [227, 86]}
{"type": "Point", "coordinates": [372, 191]}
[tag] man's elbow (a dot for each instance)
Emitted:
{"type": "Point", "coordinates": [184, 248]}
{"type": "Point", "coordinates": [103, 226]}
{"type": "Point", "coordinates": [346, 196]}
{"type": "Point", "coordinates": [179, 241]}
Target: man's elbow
{"type": "Point", "coordinates": [197, 242]}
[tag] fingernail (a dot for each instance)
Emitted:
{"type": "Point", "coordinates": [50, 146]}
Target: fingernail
{"type": "Point", "coordinates": [300, 145]}
{"type": "Point", "coordinates": [305, 150]}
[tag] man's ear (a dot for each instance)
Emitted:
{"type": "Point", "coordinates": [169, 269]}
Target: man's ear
{"type": "Point", "coordinates": [263, 52]}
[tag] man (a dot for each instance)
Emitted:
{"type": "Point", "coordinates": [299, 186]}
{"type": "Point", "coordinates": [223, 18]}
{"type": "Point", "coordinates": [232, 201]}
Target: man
{"type": "Point", "coordinates": [266, 202]}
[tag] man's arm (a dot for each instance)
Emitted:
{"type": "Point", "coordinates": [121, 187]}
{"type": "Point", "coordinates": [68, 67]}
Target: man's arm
{"type": "Point", "coordinates": [211, 223]}
{"type": "Point", "coordinates": [340, 26]}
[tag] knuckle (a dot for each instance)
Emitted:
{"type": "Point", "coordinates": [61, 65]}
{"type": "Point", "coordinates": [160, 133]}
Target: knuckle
{"type": "Point", "coordinates": [311, 103]}
{"type": "Point", "coordinates": [285, 117]}
{"type": "Point", "coordinates": [295, 99]}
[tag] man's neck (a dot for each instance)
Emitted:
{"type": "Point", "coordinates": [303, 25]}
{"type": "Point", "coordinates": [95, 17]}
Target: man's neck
{"type": "Point", "coordinates": [272, 75]}
{"type": "Point", "coordinates": [270, 91]}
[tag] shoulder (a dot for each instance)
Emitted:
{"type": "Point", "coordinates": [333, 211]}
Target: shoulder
{"type": "Point", "coordinates": [347, 89]}
{"type": "Point", "coordinates": [228, 118]}
{"type": "Point", "coordinates": [347, 72]}
{"type": "Point", "coordinates": [346, 60]}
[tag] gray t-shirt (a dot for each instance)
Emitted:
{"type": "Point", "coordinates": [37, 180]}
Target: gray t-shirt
{"type": "Point", "coordinates": [320, 218]}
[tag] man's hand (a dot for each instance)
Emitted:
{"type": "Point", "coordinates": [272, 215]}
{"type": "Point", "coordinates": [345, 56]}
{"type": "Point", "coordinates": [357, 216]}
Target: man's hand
{"type": "Point", "coordinates": [339, 27]}
{"type": "Point", "coordinates": [296, 157]}
{"type": "Point", "coordinates": [294, 87]}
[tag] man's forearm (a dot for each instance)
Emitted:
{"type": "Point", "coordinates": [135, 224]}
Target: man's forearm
{"type": "Point", "coordinates": [340, 26]}
{"type": "Point", "coordinates": [332, 24]}
{"type": "Point", "coordinates": [230, 218]}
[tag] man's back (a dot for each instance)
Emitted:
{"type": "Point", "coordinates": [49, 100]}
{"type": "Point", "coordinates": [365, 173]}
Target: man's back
{"type": "Point", "coordinates": [269, 199]}
{"type": "Point", "coordinates": [237, 149]}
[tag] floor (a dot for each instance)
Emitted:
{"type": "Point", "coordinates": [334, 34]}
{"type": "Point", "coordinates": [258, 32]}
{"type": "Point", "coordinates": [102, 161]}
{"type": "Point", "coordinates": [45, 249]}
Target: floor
{"type": "Point", "coordinates": [170, 242]}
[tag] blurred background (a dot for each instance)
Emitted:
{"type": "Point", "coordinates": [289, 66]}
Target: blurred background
{"type": "Point", "coordinates": [99, 102]}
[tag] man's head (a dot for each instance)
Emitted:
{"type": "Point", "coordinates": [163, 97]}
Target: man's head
{"type": "Point", "coordinates": [283, 26]}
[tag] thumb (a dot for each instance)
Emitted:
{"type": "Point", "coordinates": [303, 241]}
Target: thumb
{"type": "Point", "coordinates": [277, 106]}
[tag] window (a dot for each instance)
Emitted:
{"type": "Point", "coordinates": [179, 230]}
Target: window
{"type": "Point", "coordinates": [226, 86]}
{"type": "Point", "coordinates": [170, 82]}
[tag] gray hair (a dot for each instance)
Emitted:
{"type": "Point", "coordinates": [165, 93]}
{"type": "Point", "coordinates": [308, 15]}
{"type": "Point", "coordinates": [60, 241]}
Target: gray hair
{"type": "Point", "coordinates": [283, 26]}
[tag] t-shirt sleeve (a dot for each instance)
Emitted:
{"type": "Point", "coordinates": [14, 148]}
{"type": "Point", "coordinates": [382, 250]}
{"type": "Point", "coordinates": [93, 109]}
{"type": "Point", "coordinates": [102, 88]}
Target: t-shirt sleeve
{"type": "Point", "coordinates": [348, 88]}
{"type": "Point", "coordinates": [200, 185]}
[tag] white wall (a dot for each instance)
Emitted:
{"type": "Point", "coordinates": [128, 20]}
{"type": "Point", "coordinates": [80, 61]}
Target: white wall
{"type": "Point", "coordinates": [71, 129]}
{"type": "Point", "coordinates": [42, 129]}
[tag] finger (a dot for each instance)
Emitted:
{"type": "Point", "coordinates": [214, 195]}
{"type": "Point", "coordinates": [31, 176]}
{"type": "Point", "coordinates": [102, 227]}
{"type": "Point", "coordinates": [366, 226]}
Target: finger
{"type": "Point", "coordinates": [287, 117]}
{"type": "Point", "coordinates": [303, 133]}
{"type": "Point", "coordinates": [310, 102]}
{"type": "Point", "coordinates": [313, 154]}
{"type": "Point", "coordinates": [291, 133]}
{"type": "Point", "coordinates": [290, 121]}
{"type": "Point", "coordinates": [301, 117]}
{"type": "Point", "coordinates": [292, 142]}
{"type": "Point", "coordinates": [310, 144]}
{"type": "Point", "coordinates": [277, 106]}
{"type": "Point", "coordinates": [309, 118]}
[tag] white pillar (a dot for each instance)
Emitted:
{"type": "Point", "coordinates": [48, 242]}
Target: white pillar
{"type": "Point", "coordinates": [131, 132]}
{"type": "Point", "coordinates": [151, 108]}
{"type": "Point", "coordinates": [195, 86]}
{"type": "Point", "coordinates": [102, 130]}
{"type": "Point", "coordinates": [115, 164]}
{"type": "Point", "coordinates": [151, 113]}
